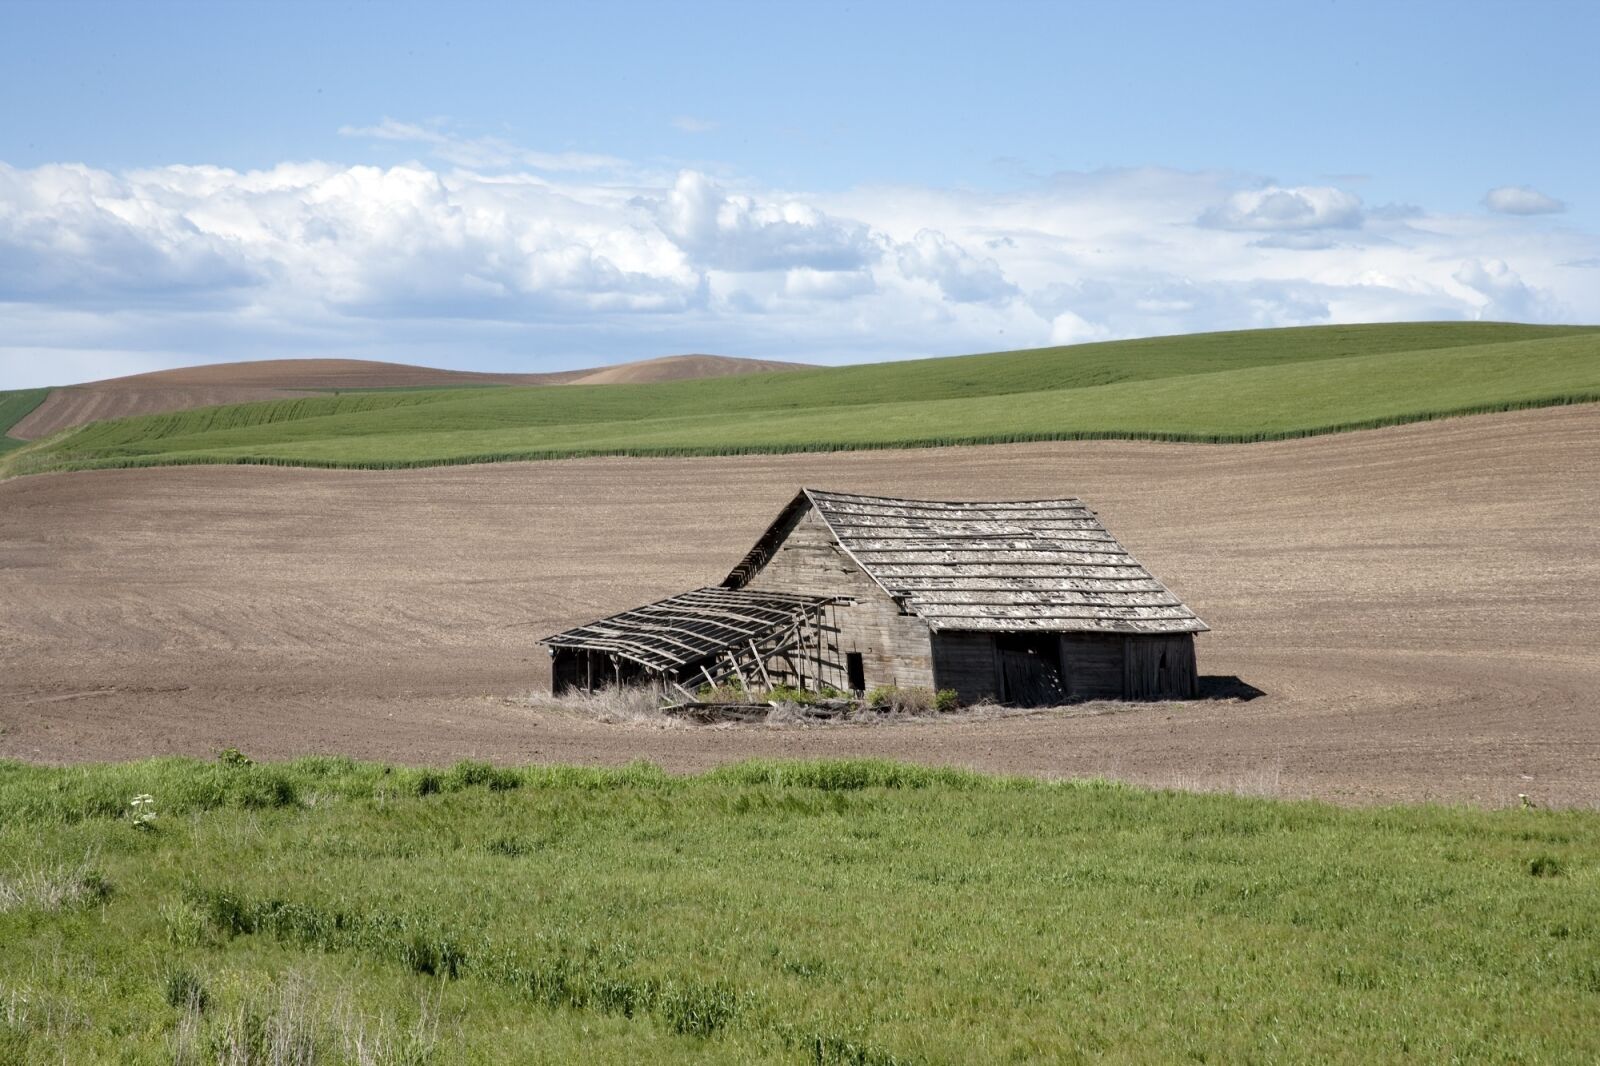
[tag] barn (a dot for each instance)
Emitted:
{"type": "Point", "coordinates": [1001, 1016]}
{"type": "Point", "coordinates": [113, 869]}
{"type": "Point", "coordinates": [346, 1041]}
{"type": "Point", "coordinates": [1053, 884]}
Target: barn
{"type": "Point", "coordinates": [1026, 602]}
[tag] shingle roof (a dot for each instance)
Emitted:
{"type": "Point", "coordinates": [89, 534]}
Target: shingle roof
{"type": "Point", "coordinates": [1016, 565]}
{"type": "Point", "coordinates": [691, 626]}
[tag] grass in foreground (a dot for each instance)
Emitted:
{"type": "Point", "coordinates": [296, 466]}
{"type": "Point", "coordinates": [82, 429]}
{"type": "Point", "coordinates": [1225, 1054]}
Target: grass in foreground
{"type": "Point", "coordinates": [1220, 387]}
{"type": "Point", "coordinates": [840, 912]}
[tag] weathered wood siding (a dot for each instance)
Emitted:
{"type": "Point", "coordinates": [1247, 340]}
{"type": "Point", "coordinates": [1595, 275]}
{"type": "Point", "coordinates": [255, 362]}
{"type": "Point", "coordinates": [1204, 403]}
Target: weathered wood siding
{"type": "Point", "coordinates": [1160, 668]}
{"type": "Point", "coordinates": [965, 662]}
{"type": "Point", "coordinates": [1110, 667]}
{"type": "Point", "coordinates": [1093, 665]}
{"type": "Point", "coordinates": [895, 646]}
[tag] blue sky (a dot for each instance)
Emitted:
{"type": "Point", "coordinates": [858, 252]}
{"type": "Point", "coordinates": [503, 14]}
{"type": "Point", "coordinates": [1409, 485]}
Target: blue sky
{"type": "Point", "coordinates": [535, 187]}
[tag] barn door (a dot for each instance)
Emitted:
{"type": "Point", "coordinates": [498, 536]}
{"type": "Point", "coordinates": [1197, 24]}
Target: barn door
{"type": "Point", "coordinates": [1030, 670]}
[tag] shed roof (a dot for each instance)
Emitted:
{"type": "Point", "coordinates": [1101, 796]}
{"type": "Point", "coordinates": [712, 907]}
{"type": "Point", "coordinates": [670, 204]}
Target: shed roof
{"type": "Point", "coordinates": [692, 626]}
{"type": "Point", "coordinates": [1010, 566]}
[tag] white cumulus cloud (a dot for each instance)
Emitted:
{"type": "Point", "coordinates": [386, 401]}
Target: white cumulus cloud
{"type": "Point", "coordinates": [1503, 293]}
{"type": "Point", "coordinates": [507, 262]}
{"type": "Point", "coordinates": [1276, 208]}
{"type": "Point", "coordinates": [960, 275]}
{"type": "Point", "coordinates": [1521, 200]}
{"type": "Point", "coordinates": [738, 232]}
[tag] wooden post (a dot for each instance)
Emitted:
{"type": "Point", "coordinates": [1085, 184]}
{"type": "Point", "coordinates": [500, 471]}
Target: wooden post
{"type": "Point", "coordinates": [742, 682]}
{"type": "Point", "coordinates": [816, 632]}
{"type": "Point", "coordinates": [800, 657]}
{"type": "Point", "coordinates": [761, 665]}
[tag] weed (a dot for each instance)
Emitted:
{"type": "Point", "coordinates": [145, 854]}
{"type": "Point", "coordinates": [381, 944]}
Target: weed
{"type": "Point", "coordinates": [54, 887]}
{"type": "Point", "coordinates": [142, 812]}
{"type": "Point", "coordinates": [469, 774]}
{"type": "Point", "coordinates": [185, 926]}
{"type": "Point", "coordinates": [183, 989]}
{"type": "Point", "coordinates": [910, 701]}
{"type": "Point", "coordinates": [266, 787]}
{"type": "Point", "coordinates": [1544, 866]}
{"type": "Point", "coordinates": [614, 704]}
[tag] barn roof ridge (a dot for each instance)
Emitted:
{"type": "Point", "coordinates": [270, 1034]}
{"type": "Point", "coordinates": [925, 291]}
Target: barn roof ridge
{"type": "Point", "coordinates": [911, 500]}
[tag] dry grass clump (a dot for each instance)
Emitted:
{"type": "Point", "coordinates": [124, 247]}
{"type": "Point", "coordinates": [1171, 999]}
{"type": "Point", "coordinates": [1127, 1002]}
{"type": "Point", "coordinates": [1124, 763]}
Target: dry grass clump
{"type": "Point", "coordinates": [616, 705]}
{"type": "Point", "coordinates": [293, 1024]}
{"type": "Point", "coordinates": [52, 888]}
{"type": "Point", "coordinates": [791, 708]}
{"type": "Point", "coordinates": [1266, 781]}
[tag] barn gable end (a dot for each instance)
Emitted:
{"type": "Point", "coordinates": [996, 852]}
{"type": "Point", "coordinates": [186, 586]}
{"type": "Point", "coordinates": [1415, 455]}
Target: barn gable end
{"type": "Point", "coordinates": [800, 554]}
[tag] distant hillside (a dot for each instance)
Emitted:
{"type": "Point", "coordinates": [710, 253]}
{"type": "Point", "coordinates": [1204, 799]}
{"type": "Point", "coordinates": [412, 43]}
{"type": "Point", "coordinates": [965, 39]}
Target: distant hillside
{"type": "Point", "coordinates": [678, 368]}
{"type": "Point", "coordinates": [214, 384]}
{"type": "Point", "coordinates": [1214, 387]}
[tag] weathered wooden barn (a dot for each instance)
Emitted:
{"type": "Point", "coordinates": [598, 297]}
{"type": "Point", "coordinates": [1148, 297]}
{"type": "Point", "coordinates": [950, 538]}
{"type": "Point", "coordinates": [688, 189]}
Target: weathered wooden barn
{"type": "Point", "coordinates": [1022, 602]}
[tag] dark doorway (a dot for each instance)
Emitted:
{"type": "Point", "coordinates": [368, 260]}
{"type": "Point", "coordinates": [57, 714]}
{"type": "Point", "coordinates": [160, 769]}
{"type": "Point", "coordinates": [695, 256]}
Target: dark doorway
{"type": "Point", "coordinates": [856, 668]}
{"type": "Point", "coordinates": [1030, 669]}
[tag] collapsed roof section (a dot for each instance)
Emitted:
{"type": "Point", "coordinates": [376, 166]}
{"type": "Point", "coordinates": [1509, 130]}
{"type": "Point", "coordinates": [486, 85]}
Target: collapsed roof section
{"type": "Point", "coordinates": [692, 627]}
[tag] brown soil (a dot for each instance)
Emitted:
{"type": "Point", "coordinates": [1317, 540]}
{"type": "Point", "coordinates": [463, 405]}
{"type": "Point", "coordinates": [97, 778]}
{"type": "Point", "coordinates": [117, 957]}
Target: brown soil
{"type": "Point", "coordinates": [1417, 603]}
{"type": "Point", "coordinates": [678, 368]}
{"type": "Point", "coordinates": [276, 379]}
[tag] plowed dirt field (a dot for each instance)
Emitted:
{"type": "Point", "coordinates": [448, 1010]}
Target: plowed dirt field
{"type": "Point", "coordinates": [1418, 605]}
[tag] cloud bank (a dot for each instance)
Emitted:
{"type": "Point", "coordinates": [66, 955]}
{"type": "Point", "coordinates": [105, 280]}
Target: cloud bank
{"type": "Point", "coordinates": [495, 256]}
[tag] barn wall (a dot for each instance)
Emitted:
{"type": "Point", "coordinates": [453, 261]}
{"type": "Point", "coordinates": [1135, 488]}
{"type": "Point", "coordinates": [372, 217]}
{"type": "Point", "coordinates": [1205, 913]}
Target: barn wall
{"type": "Point", "coordinates": [965, 662]}
{"type": "Point", "coordinates": [1161, 668]}
{"type": "Point", "coordinates": [1093, 665]}
{"type": "Point", "coordinates": [895, 647]}
{"type": "Point", "coordinates": [1117, 667]}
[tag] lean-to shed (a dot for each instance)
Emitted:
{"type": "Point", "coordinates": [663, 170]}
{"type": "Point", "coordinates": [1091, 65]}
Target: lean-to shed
{"type": "Point", "coordinates": [1024, 602]}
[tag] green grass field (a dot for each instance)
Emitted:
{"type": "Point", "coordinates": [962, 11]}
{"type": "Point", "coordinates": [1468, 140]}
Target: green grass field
{"type": "Point", "coordinates": [849, 912]}
{"type": "Point", "coordinates": [14, 407]}
{"type": "Point", "coordinates": [1220, 387]}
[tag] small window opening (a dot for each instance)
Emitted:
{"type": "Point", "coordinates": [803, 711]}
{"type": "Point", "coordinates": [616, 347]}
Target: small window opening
{"type": "Point", "coordinates": [856, 667]}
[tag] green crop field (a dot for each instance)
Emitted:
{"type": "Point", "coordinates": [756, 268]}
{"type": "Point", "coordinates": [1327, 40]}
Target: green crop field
{"type": "Point", "coordinates": [838, 912]}
{"type": "Point", "coordinates": [1220, 387]}
{"type": "Point", "coordinates": [14, 407]}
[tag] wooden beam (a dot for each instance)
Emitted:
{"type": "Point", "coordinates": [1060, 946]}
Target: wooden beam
{"type": "Point", "coordinates": [800, 660]}
{"type": "Point", "coordinates": [761, 665]}
{"type": "Point", "coordinates": [735, 662]}
{"type": "Point", "coordinates": [816, 632]}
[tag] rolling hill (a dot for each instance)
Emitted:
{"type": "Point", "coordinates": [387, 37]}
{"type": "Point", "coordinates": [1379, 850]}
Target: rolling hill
{"type": "Point", "coordinates": [15, 406]}
{"type": "Point", "coordinates": [1219, 387]}
{"type": "Point", "coordinates": [216, 384]}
